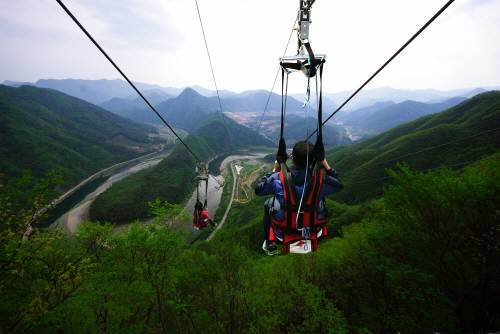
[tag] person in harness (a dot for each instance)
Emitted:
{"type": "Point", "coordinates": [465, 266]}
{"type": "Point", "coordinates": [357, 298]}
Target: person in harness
{"type": "Point", "coordinates": [271, 184]}
{"type": "Point", "coordinates": [201, 218]}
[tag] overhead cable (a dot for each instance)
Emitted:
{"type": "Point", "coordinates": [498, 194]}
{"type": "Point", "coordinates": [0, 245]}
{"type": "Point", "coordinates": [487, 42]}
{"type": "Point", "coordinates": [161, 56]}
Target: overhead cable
{"type": "Point", "coordinates": [275, 78]}
{"type": "Point", "coordinates": [125, 77]}
{"type": "Point", "coordinates": [211, 66]}
{"type": "Point", "coordinates": [432, 19]}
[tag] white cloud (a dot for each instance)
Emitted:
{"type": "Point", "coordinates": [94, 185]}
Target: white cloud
{"type": "Point", "coordinates": [159, 41]}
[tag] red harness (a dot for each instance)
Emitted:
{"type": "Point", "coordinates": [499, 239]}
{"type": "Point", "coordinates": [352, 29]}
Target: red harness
{"type": "Point", "coordinates": [200, 219]}
{"type": "Point", "coordinates": [291, 227]}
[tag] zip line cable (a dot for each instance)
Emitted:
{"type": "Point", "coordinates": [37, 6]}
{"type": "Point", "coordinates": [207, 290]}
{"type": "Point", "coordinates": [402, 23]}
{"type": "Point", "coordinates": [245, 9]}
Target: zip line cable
{"type": "Point", "coordinates": [211, 66]}
{"type": "Point", "coordinates": [432, 19]}
{"type": "Point", "coordinates": [276, 77]}
{"type": "Point", "coordinates": [125, 77]}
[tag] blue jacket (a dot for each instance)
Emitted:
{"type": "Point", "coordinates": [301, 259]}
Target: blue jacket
{"type": "Point", "coordinates": [270, 184]}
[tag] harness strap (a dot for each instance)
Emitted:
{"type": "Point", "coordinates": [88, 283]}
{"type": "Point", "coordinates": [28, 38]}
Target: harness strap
{"type": "Point", "coordinates": [285, 177]}
{"type": "Point", "coordinates": [312, 60]}
{"type": "Point", "coordinates": [197, 191]}
{"type": "Point", "coordinates": [282, 156]}
{"type": "Point", "coordinates": [319, 148]}
{"type": "Point", "coordinates": [206, 193]}
{"type": "Point", "coordinates": [318, 182]}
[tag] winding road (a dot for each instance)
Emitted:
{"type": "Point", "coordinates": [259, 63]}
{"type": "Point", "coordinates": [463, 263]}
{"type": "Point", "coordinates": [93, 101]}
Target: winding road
{"type": "Point", "coordinates": [229, 160]}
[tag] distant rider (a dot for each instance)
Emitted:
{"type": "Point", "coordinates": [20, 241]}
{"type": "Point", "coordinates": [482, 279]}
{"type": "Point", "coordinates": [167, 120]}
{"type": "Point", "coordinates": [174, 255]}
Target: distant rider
{"type": "Point", "coordinates": [201, 218]}
{"type": "Point", "coordinates": [270, 184]}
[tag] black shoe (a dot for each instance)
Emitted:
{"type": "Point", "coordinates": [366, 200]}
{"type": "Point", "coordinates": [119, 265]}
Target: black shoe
{"type": "Point", "coordinates": [270, 248]}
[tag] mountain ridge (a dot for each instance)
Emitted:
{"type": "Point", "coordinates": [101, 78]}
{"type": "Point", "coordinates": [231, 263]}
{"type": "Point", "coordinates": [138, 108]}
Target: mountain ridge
{"type": "Point", "coordinates": [44, 130]}
{"type": "Point", "coordinates": [363, 165]}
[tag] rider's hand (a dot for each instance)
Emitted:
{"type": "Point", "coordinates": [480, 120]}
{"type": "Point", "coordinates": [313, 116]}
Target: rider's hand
{"type": "Point", "coordinates": [277, 167]}
{"type": "Point", "coordinates": [325, 164]}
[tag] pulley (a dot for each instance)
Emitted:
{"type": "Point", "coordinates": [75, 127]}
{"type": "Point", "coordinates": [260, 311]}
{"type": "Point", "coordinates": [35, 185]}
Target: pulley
{"type": "Point", "coordinates": [305, 60]}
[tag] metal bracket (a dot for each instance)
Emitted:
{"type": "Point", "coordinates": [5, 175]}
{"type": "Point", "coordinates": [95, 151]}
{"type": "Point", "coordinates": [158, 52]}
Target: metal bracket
{"type": "Point", "coordinates": [202, 171]}
{"type": "Point", "coordinates": [305, 60]}
{"type": "Point", "coordinates": [302, 63]}
{"type": "Point", "coordinates": [304, 20]}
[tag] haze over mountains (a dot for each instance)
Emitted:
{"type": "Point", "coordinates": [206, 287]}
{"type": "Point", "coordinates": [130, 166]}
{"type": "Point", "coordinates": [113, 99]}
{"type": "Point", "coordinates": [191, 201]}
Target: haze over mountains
{"type": "Point", "coordinates": [386, 115]}
{"type": "Point", "coordinates": [101, 91]}
{"type": "Point", "coordinates": [371, 112]}
{"type": "Point", "coordinates": [96, 91]}
{"type": "Point", "coordinates": [371, 96]}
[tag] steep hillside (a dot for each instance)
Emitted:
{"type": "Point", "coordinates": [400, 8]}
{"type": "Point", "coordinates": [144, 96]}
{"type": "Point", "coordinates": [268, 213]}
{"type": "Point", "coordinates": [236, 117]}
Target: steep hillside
{"type": "Point", "coordinates": [43, 130]}
{"type": "Point", "coordinates": [454, 138]}
{"type": "Point", "coordinates": [214, 130]}
{"type": "Point", "coordinates": [173, 179]}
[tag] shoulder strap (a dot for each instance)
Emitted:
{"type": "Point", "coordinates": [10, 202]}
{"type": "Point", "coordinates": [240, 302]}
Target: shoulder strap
{"type": "Point", "coordinates": [315, 192]}
{"type": "Point", "coordinates": [286, 179]}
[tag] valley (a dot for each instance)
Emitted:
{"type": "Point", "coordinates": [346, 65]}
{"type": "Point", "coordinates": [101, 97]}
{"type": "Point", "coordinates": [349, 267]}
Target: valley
{"type": "Point", "coordinates": [79, 213]}
{"type": "Point", "coordinates": [148, 184]}
{"type": "Point", "coordinates": [419, 203]}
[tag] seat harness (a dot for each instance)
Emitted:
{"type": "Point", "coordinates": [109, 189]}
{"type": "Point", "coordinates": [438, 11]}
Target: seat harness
{"type": "Point", "coordinates": [301, 219]}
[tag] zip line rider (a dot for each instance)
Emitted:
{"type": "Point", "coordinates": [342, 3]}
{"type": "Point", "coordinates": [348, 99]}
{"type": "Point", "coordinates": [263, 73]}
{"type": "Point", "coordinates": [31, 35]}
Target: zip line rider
{"type": "Point", "coordinates": [271, 184]}
{"type": "Point", "coordinates": [201, 218]}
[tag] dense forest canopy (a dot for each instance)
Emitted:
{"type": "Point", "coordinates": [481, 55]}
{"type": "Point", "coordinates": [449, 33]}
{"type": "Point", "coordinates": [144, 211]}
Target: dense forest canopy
{"type": "Point", "coordinates": [423, 257]}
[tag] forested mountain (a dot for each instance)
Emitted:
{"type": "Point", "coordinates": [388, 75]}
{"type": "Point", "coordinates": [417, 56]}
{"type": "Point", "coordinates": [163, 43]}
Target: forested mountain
{"type": "Point", "coordinates": [454, 138]}
{"type": "Point", "coordinates": [173, 179]}
{"type": "Point", "coordinates": [384, 116]}
{"type": "Point", "coordinates": [224, 135]}
{"type": "Point", "coordinates": [188, 110]}
{"type": "Point", "coordinates": [43, 130]}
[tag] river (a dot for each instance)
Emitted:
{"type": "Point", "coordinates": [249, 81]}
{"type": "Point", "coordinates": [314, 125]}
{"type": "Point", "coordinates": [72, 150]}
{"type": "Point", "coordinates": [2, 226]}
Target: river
{"type": "Point", "coordinates": [80, 212]}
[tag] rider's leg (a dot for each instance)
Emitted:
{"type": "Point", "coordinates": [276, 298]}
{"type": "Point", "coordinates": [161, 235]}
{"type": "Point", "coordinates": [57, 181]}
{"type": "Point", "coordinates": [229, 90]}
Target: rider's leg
{"type": "Point", "coordinates": [266, 221]}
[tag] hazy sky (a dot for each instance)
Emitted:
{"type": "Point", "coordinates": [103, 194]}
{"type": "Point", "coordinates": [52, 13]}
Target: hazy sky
{"type": "Point", "coordinates": [160, 41]}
